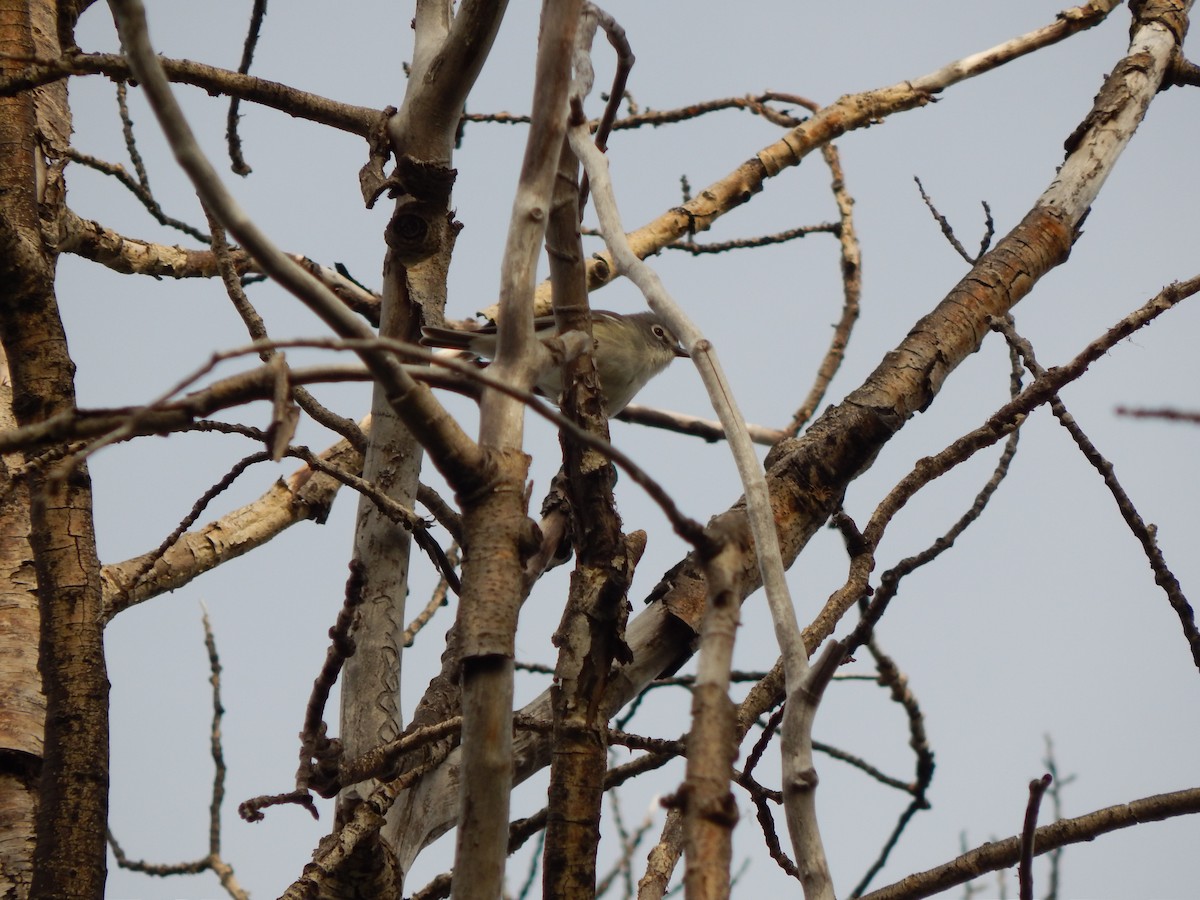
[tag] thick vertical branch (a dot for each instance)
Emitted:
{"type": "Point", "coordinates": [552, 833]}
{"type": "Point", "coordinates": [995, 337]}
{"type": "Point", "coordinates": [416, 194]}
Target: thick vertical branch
{"type": "Point", "coordinates": [448, 54]}
{"type": "Point", "coordinates": [497, 533]}
{"type": "Point", "coordinates": [800, 775]}
{"type": "Point", "coordinates": [447, 57]}
{"type": "Point", "coordinates": [580, 754]}
{"type": "Point", "coordinates": [22, 705]}
{"type": "Point", "coordinates": [72, 804]}
{"type": "Point", "coordinates": [591, 635]}
{"type": "Point", "coordinates": [370, 712]}
{"type": "Point", "coordinates": [709, 810]}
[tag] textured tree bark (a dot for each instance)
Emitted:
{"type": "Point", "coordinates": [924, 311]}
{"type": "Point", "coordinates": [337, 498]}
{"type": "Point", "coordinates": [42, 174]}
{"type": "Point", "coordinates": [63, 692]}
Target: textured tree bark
{"type": "Point", "coordinates": [447, 57]}
{"type": "Point", "coordinates": [22, 705]}
{"type": "Point", "coordinates": [69, 856]}
{"type": "Point", "coordinates": [498, 535]}
{"type": "Point", "coordinates": [591, 635]}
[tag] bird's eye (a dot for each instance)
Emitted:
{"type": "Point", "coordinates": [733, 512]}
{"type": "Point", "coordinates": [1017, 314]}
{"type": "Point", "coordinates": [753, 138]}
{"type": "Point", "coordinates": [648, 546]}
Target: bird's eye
{"type": "Point", "coordinates": [661, 332]}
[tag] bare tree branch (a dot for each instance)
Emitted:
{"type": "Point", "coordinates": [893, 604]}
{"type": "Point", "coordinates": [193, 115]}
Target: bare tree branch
{"type": "Point", "coordinates": [495, 522]}
{"type": "Point", "coordinates": [139, 190]}
{"type": "Point", "coordinates": [343, 116]}
{"type": "Point", "coordinates": [1145, 534]}
{"type": "Point", "coordinates": [996, 855]}
{"type": "Point", "coordinates": [213, 861]}
{"type": "Point", "coordinates": [683, 423]}
{"type": "Point", "coordinates": [847, 114]}
{"type": "Point", "coordinates": [237, 162]}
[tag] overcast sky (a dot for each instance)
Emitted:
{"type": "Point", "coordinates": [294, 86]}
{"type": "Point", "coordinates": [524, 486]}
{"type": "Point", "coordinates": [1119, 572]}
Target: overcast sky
{"type": "Point", "coordinates": [1043, 621]}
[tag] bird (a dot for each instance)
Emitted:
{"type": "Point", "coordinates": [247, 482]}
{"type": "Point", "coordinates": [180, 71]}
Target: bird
{"type": "Point", "coordinates": [629, 351]}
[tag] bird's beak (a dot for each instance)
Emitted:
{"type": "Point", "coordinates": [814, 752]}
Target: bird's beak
{"type": "Point", "coordinates": [679, 351]}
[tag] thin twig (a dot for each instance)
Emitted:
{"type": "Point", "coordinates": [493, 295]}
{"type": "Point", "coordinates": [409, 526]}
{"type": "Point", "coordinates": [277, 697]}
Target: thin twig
{"type": "Point", "coordinates": [851, 265]}
{"type": "Point", "coordinates": [625, 60]}
{"type": "Point", "coordinates": [218, 754]}
{"type": "Point", "coordinates": [891, 677]}
{"type": "Point", "coordinates": [446, 516]}
{"type": "Point", "coordinates": [257, 329]}
{"type": "Point", "coordinates": [131, 147]}
{"type": "Point", "coordinates": [161, 869]}
{"type": "Point", "coordinates": [385, 757]}
{"type": "Point", "coordinates": [901, 823]}
{"type": "Point", "coordinates": [765, 240]}
{"type": "Point", "coordinates": [948, 231]}
{"type": "Point", "coordinates": [683, 423]}
{"type": "Point", "coordinates": [865, 767]}
{"type": "Point", "coordinates": [1000, 424]}
{"type": "Point", "coordinates": [237, 161]}
{"type": "Point", "coordinates": [862, 553]}
{"type": "Point", "coordinates": [1057, 783]}
{"type": "Point", "coordinates": [198, 507]}
{"type": "Point", "coordinates": [223, 870]}
{"type": "Point", "coordinates": [437, 599]}
{"type": "Point", "coordinates": [1145, 534]}
{"type": "Point", "coordinates": [318, 755]}
{"type": "Point", "coordinates": [213, 862]}
{"type": "Point", "coordinates": [359, 120]}
{"type": "Point", "coordinates": [628, 843]}
{"type": "Point", "coordinates": [141, 192]}
{"type": "Point", "coordinates": [535, 859]}
{"type": "Point", "coordinates": [1171, 415]}
{"type": "Point", "coordinates": [766, 822]}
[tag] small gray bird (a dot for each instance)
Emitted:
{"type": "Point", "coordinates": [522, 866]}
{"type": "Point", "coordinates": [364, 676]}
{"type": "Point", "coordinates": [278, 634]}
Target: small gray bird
{"type": "Point", "coordinates": [630, 350]}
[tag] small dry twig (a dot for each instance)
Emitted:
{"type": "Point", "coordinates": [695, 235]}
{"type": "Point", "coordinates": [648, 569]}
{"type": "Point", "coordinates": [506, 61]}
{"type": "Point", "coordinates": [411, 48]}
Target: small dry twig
{"type": "Point", "coordinates": [948, 231]}
{"type": "Point", "coordinates": [213, 861]}
{"type": "Point", "coordinates": [1145, 534]}
{"type": "Point", "coordinates": [140, 191]}
{"type": "Point", "coordinates": [1171, 415]}
{"type": "Point", "coordinates": [237, 161]}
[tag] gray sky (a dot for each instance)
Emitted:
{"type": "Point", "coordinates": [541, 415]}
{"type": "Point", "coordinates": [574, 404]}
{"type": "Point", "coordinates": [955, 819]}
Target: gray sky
{"type": "Point", "coordinates": [1043, 620]}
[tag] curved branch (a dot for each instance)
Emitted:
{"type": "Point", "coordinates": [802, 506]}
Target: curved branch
{"type": "Point", "coordinates": [357, 120]}
{"type": "Point", "coordinates": [996, 855]}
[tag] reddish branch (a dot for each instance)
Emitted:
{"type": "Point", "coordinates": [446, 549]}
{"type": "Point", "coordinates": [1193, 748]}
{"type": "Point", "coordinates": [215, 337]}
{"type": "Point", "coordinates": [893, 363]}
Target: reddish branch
{"type": "Point", "coordinates": [1037, 788]}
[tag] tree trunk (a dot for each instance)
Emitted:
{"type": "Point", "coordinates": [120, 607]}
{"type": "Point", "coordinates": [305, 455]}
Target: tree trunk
{"type": "Point", "coordinates": [52, 505]}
